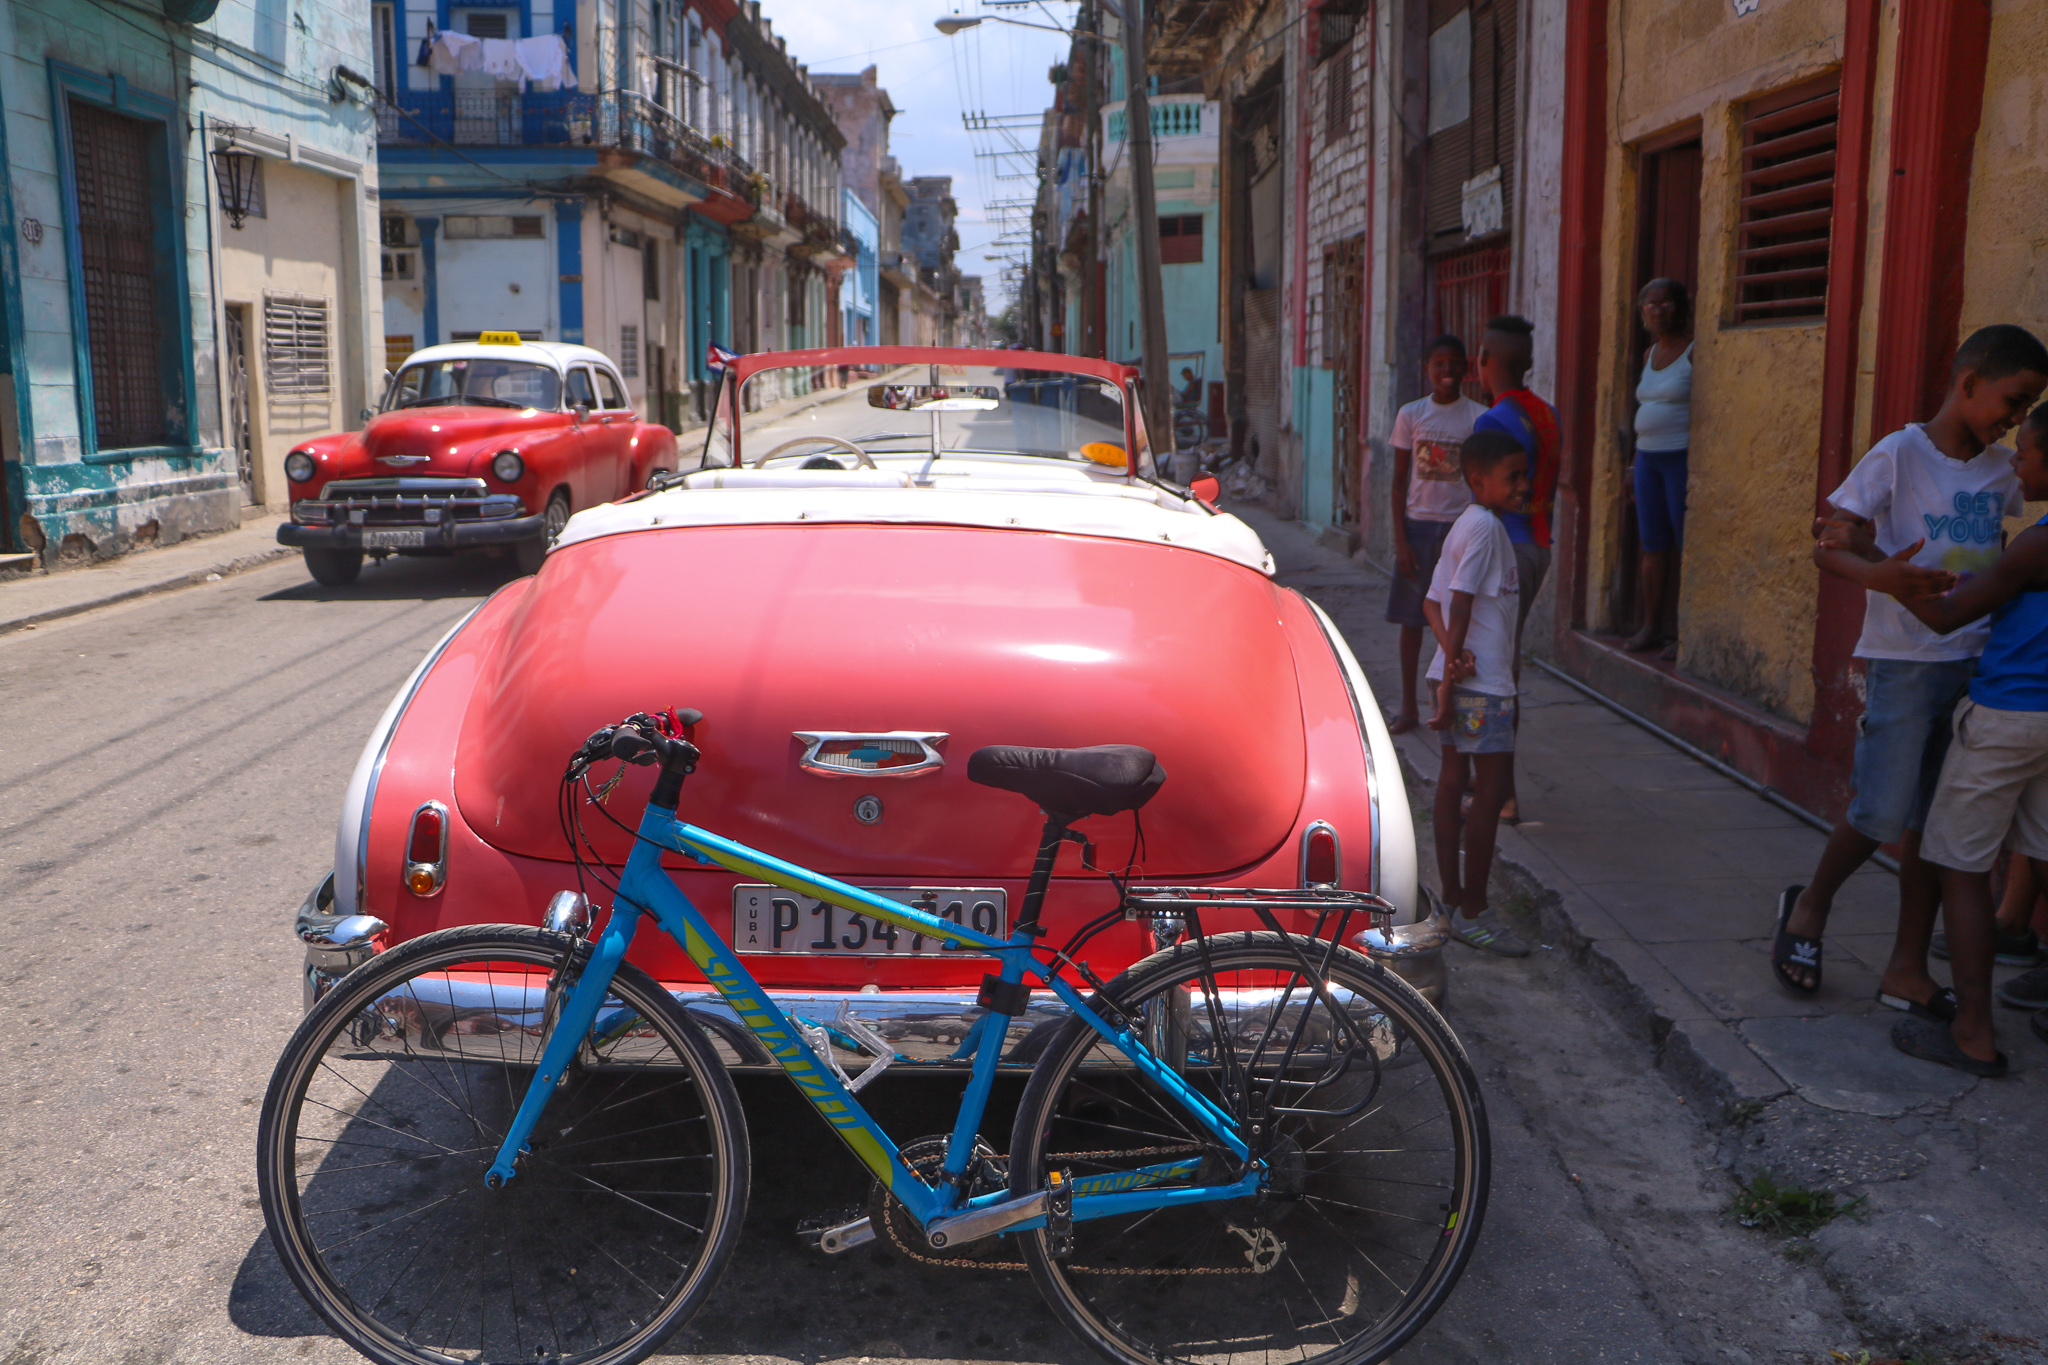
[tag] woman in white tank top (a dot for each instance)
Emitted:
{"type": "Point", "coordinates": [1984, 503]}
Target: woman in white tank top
{"type": "Point", "coordinates": [1663, 431]}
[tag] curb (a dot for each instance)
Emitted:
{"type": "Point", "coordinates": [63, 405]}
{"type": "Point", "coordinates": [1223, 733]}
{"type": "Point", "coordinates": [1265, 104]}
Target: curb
{"type": "Point", "coordinates": [1709, 1064]}
{"type": "Point", "coordinates": [189, 579]}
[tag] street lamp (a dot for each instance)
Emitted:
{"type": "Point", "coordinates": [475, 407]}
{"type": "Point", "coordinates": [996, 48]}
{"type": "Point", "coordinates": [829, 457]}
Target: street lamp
{"type": "Point", "coordinates": [1145, 201]}
{"type": "Point", "coordinates": [235, 169]}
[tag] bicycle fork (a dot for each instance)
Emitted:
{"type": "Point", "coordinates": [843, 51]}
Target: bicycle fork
{"type": "Point", "coordinates": [579, 1013]}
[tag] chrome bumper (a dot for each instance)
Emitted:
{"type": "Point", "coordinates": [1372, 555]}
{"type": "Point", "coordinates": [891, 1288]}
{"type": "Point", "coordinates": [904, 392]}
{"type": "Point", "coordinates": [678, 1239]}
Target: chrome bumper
{"type": "Point", "coordinates": [928, 1030]}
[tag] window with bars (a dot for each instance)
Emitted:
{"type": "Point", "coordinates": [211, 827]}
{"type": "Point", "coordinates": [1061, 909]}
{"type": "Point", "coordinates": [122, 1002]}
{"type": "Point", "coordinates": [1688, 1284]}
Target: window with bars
{"type": "Point", "coordinates": [629, 350]}
{"type": "Point", "coordinates": [117, 221]}
{"type": "Point", "coordinates": [1337, 97]}
{"type": "Point", "coordinates": [1787, 203]}
{"type": "Point", "coordinates": [296, 354]}
{"type": "Point", "coordinates": [1180, 239]}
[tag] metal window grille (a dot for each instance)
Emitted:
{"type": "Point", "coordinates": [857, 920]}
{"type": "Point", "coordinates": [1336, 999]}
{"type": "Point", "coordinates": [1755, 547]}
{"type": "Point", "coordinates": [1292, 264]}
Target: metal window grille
{"type": "Point", "coordinates": [394, 230]}
{"type": "Point", "coordinates": [295, 348]}
{"type": "Point", "coordinates": [1787, 205]}
{"type": "Point", "coordinates": [629, 351]}
{"type": "Point", "coordinates": [1470, 288]}
{"type": "Point", "coordinates": [117, 240]}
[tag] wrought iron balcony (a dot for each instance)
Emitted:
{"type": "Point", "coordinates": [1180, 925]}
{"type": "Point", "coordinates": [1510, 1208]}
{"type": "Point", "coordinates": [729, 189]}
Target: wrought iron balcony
{"type": "Point", "coordinates": [623, 120]}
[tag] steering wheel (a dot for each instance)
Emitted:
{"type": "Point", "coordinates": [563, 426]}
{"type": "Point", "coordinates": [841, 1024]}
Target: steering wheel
{"type": "Point", "coordinates": [859, 454]}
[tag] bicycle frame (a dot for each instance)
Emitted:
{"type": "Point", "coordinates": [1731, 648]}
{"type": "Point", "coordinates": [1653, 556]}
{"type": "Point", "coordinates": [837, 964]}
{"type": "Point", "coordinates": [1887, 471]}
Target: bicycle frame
{"type": "Point", "coordinates": [644, 887]}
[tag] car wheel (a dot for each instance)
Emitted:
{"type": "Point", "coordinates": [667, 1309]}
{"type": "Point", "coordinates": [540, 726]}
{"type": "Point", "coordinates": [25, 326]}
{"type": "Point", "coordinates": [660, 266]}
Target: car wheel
{"type": "Point", "coordinates": [333, 568]}
{"type": "Point", "coordinates": [533, 552]}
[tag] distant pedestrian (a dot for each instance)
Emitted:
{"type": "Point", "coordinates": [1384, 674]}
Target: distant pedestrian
{"type": "Point", "coordinates": [1663, 432]}
{"type": "Point", "coordinates": [1925, 505]}
{"type": "Point", "coordinates": [1472, 608]}
{"type": "Point", "coordinates": [1994, 780]}
{"type": "Point", "coordinates": [1506, 352]}
{"type": "Point", "coordinates": [1429, 494]}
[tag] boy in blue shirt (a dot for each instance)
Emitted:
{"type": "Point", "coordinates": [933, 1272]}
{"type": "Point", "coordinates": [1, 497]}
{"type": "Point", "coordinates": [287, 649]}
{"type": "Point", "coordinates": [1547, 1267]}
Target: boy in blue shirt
{"type": "Point", "coordinates": [1994, 781]}
{"type": "Point", "coordinates": [1923, 506]}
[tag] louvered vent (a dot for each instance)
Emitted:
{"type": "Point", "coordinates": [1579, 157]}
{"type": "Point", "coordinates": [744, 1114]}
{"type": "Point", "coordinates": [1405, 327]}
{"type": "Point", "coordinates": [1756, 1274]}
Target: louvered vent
{"type": "Point", "coordinates": [1788, 197]}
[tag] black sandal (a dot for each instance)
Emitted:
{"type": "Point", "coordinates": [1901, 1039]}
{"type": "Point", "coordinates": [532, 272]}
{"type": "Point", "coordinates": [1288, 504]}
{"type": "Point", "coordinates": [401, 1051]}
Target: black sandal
{"type": "Point", "coordinates": [1932, 1042]}
{"type": "Point", "coordinates": [1789, 950]}
{"type": "Point", "coordinates": [1939, 1008]}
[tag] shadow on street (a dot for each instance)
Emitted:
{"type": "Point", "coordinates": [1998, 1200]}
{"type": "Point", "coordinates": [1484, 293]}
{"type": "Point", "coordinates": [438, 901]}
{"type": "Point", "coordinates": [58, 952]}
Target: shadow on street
{"type": "Point", "coordinates": [476, 573]}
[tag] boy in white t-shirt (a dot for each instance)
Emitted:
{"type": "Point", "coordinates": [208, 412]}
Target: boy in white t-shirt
{"type": "Point", "coordinates": [1923, 508]}
{"type": "Point", "coordinates": [1472, 608]}
{"type": "Point", "coordinates": [1429, 493]}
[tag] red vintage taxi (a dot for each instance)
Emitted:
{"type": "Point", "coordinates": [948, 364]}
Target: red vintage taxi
{"type": "Point", "coordinates": [495, 442]}
{"type": "Point", "coordinates": [858, 589]}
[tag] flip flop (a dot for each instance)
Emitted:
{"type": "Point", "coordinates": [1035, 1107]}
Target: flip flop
{"type": "Point", "coordinates": [1789, 950]}
{"type": "Point", "coordinates": [1938, 1008]}
{"type": "Point", "coordinates": [1932, 1042]}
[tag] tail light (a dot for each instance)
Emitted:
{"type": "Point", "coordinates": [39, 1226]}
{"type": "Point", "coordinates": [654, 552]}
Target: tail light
{"type": "Point", "coordinates": [1322, 857]}
{"type": "Point", "coordinates": [426, 850]}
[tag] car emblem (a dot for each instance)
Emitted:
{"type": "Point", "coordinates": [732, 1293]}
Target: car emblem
{"type": "Point", "coordinates": [891, 753]}
{"type": "Point", "coordinates": [401, 461]}
{"type": "Point", "coordinates": [868, 810]}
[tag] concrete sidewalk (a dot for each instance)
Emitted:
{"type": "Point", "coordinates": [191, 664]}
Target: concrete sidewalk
{"type": "Point", "coordinates": [1661, 877]}
{"type": "Point", "coordinates": [27, 600]}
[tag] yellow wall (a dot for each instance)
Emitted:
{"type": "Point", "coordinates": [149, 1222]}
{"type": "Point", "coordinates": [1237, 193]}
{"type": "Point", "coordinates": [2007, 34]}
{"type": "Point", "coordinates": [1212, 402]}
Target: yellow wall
{"type": "Point", "coordinates": [293, 250]}
{"type": "Point", "coordinates": [1747, 607]}
{"type": "Point", "coordinates": [2005, 264]}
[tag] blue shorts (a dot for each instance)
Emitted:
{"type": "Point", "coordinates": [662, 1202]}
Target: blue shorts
{"type": "Point", "coordinates": [1481, 723]}
{"type": "Point", "coordinates": [1404, 598]}
{"type": "Point", "coordinates": [1660, 499]}
{"type": "Point", "coordinates": [1901, 741]}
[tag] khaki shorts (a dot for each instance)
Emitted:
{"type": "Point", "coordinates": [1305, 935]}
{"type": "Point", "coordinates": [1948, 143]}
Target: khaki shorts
{"type": "Point", "coordinates": [1994, 783]}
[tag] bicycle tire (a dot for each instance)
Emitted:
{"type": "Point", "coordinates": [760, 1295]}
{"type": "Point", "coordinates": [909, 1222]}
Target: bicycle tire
{"type": "Point", "coordinates": [388, 1105]}
{"type": "Point", "coordinates": [1159, 1286]}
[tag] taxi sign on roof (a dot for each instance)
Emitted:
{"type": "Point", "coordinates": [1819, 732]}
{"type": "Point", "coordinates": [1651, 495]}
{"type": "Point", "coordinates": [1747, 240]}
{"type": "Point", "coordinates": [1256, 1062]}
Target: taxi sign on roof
{"type": "Point", "coordinates": [498, 339]}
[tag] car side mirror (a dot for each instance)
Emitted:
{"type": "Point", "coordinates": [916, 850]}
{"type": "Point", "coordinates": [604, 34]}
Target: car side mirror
{"type": "Point", "coordinates": [582, 411]}
{"type": "Point", "coordinates": [1207, 489]}
{"type": "Point", "coordinates": [366, 414]}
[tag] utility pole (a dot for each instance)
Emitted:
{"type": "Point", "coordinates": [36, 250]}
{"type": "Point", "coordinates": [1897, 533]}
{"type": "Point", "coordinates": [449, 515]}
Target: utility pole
{"type": "Point", "coordinates": [1145, 227]}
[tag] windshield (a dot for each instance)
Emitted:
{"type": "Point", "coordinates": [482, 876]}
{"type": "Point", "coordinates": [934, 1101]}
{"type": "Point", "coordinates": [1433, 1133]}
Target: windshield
{"type": "Point", "coordinates": [489, 382]}
{"type": "Point", "coordinates": [926, 415]}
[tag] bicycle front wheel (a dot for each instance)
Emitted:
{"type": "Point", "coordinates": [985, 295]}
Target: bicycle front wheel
{"type": "Point", "coordinates": [389, 1104]}
{"type": "Point", "coordinates": [1365, 1120]}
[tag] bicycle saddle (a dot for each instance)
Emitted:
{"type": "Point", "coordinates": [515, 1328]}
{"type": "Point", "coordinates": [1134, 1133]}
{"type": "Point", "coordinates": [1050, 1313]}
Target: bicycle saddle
{"type": "Point", "coordinates": [1102, 779]}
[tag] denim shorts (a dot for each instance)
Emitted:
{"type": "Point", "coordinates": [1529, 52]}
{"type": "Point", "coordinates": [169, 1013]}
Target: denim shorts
{"type": "Point", "coordinates": [1481, 723]}
{"type": "Point", "coordinates": [1901, 741]}
{"type": "Point", "coordinates": [1404, 597]}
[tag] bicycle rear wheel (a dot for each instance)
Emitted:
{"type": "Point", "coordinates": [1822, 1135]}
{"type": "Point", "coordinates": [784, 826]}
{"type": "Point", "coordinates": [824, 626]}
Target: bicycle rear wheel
{"type": "Point", "coordinates": [388, 1107]}
{"type": "Point", "coordinates": [1368, 1121]}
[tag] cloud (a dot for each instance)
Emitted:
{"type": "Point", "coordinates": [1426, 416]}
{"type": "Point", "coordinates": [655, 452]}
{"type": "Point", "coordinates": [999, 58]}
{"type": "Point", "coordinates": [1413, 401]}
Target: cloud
{"type": "Point", "coordinates": [992, 69]}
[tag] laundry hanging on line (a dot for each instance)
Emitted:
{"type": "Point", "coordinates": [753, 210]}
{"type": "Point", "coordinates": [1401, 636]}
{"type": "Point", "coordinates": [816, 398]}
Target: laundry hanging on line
{"type": "Point", "coordinates": [543, 60]}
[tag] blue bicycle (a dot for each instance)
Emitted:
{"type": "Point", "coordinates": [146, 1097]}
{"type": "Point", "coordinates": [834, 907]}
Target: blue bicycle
{"type": "Point", "coordinates": [505, 1143]}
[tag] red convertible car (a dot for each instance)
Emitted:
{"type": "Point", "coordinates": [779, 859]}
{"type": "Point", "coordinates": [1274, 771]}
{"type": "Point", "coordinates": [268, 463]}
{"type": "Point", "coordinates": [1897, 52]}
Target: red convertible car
{"type": "Point", "coordinates": [491, 442]}
{"type": "Point", "coordinates": [964, 548]}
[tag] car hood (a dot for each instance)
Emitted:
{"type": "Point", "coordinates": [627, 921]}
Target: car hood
{"type": "Point", "coordinates": [445, 433]}
{"type": "Point", "coordinates": [986, 636]}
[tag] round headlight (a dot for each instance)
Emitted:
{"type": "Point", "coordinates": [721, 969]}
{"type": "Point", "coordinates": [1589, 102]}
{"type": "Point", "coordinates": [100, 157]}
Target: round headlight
{"type": "Point", "coordinates": [507, 467]}
{"type": "Point", "coordinates": [298, 467]}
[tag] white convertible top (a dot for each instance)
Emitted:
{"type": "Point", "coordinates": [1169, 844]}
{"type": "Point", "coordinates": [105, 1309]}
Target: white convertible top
{"type": "Point", "coordinates": [1115, 511]}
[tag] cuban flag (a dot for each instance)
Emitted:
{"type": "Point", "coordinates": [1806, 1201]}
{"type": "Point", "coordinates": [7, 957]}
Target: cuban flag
{"type": "Point", "coordinates": [717, 357]}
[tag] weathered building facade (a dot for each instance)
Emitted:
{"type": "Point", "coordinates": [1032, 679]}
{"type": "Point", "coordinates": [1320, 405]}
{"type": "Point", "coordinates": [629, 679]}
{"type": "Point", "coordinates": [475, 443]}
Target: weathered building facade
{"type": "Point", "coordinates": [158, 354]}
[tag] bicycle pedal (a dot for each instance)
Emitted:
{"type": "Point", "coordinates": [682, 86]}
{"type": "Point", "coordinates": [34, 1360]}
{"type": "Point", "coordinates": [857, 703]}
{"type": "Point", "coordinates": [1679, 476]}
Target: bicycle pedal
{"type": "Point", "coordinates": [840, 1232]}
{"type": "Point", "coordinates": [1059, 1214]}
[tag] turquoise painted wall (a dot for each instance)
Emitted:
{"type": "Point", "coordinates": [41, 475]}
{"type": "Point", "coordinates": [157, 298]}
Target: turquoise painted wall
{"type": "Point", "coordinates": [1315, 394]}
{"type": "Point", "coordinates": [259, 62]}
{"type": "Point", "coordinates": [1190, 296]}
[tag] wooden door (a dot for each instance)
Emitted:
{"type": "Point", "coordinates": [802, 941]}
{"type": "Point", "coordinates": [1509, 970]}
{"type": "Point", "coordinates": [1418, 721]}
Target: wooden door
{"type": "Point", "coordinates": [1343, 316]}
{"type": "Point", "coordinates": [1667, 248]}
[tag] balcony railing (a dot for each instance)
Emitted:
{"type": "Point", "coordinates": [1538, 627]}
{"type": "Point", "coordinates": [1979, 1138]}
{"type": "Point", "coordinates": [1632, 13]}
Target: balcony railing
{"type": "Point", "coordinates": [620, 119]}
{"type": "Point", "coordinates": [1172, 116]}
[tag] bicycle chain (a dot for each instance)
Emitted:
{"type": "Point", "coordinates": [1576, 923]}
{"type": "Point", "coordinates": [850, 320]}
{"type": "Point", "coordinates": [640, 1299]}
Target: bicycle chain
{"type": "Point", "coordinates": [956, 1264]}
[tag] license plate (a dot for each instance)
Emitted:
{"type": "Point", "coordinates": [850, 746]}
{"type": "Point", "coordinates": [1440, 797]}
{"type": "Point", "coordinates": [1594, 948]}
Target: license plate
{"type": "Point", "coordinates": [394, 540]}
{"type": "Point", "coordinates": [768, 919]}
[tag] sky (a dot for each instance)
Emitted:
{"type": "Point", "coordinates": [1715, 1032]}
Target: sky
{"type": "Point", "coordinates": [995, 69]}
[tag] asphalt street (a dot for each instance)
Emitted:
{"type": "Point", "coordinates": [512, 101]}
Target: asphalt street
{"type": "Point", "coordinates": [172, 771]}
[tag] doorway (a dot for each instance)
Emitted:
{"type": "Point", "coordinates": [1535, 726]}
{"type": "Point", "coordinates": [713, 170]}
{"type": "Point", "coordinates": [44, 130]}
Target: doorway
{"type": "Point", "coordinates": [235, 360]}
{"type": "Point", "coordinates": [1343, 318]}
{"type": "Point", "coordinates": [1667, 247]}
